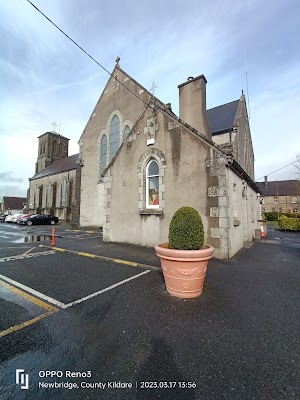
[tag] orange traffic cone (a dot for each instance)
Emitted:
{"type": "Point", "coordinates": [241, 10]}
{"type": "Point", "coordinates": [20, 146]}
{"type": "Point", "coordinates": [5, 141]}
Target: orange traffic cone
{"type": "Point", "coordinates": [53, 236]}
{"type": "Point", "coordinates": [262, 232]}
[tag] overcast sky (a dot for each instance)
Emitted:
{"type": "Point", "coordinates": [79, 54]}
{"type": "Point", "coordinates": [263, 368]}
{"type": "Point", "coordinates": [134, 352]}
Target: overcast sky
{"type": "Point", "coordinates": [46, 78]}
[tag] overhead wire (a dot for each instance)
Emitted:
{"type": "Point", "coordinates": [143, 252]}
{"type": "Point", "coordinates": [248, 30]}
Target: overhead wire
{"type": "Point", "coordinates": [294, 162]}
{"type": "Point", "coordinates": [164, 112]}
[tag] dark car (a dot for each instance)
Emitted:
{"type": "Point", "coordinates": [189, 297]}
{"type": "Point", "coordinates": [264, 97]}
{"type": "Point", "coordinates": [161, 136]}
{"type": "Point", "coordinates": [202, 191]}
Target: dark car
{"type": "Point", "coordinates": [39, 219]}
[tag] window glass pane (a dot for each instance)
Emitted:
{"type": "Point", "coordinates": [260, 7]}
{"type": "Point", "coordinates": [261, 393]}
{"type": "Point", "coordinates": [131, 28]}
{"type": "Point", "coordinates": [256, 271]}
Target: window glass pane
{"type": "Point", "coordinates": [153, 191]}
{"type": "Point", "coordinates": [103, 151]}
{"type": "Point", "coordinates": [153, 168]}
{"type": "Point", "coordinates": [114, 137]}
{"type": "Point", "coordinates": [126, 132]}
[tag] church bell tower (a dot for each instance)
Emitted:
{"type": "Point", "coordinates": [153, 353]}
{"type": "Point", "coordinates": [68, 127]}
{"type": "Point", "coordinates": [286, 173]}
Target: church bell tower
{"type": "Point", "coordinates": [52, 147]}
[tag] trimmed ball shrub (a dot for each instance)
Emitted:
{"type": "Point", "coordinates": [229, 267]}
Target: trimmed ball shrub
{"type": "Point", "coordinates": [186, 230]}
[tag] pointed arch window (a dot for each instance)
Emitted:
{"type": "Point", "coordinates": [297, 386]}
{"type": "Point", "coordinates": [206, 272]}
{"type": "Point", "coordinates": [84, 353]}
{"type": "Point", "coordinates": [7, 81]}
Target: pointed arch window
{"type": "Point", "coordinates": [63, 193]}
{"type": "Point", "coordinates": [114, 137]}
{"type": "Point", "coordinates": [49, 196]}
{"type": "Point", "coordinates": [152, 185]}
{"type": "Point", "coordinates": [54, 147]}
{"type": "Point", "coordinates": [103, 153]}
{"type": "Point", "coordinates": [126, 131]}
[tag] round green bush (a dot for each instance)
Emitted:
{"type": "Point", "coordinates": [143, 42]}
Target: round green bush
{"type": "Point", "coordinates": [186, 230]}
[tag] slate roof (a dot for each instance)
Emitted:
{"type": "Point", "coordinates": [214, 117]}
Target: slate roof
{"type": "Point", "coordinates": [65, 164]}
{"type": "Point", "coordinates": [280, 188]}
{"type": "Point", "coordinates": [54, 133]}
{"type": "Point", "coordinates": [221, 118]}
{"type": "Point", "coordinates": [14, 203]}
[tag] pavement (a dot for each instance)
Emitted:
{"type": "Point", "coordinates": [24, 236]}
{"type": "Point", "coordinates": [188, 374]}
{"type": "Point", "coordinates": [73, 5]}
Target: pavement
{"type": "Point", "coordinates": [238, 341]}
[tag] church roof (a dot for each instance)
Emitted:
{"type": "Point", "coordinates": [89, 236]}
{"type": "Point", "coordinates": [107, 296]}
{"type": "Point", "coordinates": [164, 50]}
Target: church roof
{"type": "Point", "coordinates": [280, 188]}
{"type": "Point", "coordinates": [221, 118]}
{"type": "Point", "coordinates": [65, 164]}
{"type": "Point", "coordinates": [53, 133]}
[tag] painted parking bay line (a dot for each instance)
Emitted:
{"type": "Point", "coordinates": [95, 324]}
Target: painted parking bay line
{"type": "Point", "coordinates": [62, 305]}
{"type": "Point", "coordinates": [49, 309]}
{"type": "Point", "coordinates": [105, 290]}
{"type": "Point", "coordinates": [33, 292]}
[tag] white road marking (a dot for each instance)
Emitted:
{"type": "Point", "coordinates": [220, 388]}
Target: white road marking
{"type": "Point", "coordinates": [59, 303]}
{"type": "Point", "coordinates": [105, 290]}
{"type": "Point", "coordinates": [14, 233]}
{"type": "Point", "coordinates": [22, 256]}
{"type": "Point", "coordinates": [34, 292]}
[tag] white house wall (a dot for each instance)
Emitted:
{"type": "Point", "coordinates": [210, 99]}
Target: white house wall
{"type": "Point", "coordinates": [243, 210]}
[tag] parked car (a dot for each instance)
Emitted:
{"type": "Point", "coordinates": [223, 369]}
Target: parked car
{"type": "Point", "coordinates": [3, 217]}
{"type": "Point", "coordinates": [16, 220]}
{"type": "Point", "coordinates": [15, 217]}
{"type": "Point", "coordinates": [11, 218]}
{"type": "Point", "coordinates": [39, 219]}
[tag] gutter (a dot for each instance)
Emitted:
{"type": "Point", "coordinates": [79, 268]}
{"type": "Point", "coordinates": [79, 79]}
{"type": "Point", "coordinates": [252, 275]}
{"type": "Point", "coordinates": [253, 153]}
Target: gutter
{"type": "Point", "coordinates": [238, 170]}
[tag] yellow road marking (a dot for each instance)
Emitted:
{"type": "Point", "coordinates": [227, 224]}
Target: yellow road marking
{"type": "Point", "coordinates": [80, 253]}
{"type": "Point", "coordinates": [38, 302]}
{"type": "Point", "coordinates": [89, 231]}
{"type": "Point", "coordinates": [117, 260]}
{"type": "Point", "coordinates": [99, 257]}
{"type": "Point", "coordinates": [54, 248]}
{"type": "Point", "coordinates": [24, 324]}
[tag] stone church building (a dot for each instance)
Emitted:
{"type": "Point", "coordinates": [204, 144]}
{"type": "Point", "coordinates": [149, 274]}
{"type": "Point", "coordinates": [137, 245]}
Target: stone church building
{"type": "Point", "coordinates": [52, 188]}
{"type": "Point", "coordinates": [138, 163]}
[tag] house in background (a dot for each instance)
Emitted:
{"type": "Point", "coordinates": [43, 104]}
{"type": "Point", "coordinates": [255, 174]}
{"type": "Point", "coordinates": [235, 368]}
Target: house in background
{"type": "Point", "coordinates": [280, 196]}
{"type": "Point", "coordinates": [13, 205]}
{"type": "Point", "coordinates": [139, 163]}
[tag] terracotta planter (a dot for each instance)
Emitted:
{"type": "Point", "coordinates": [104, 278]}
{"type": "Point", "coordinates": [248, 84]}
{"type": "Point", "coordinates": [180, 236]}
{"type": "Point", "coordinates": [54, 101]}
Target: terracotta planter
{"type": "Point", "coordinates": [184, 270]}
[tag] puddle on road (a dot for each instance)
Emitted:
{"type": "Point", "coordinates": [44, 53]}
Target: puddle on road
{"type": "Point", "coordinates": [33, 238]}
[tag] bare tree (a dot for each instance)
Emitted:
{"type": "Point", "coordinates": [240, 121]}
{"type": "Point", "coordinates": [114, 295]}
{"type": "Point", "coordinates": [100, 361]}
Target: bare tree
{"type": "Point", "coordinates": [297, 167]}
{"type": "Point", "coordinates": [297, 175]}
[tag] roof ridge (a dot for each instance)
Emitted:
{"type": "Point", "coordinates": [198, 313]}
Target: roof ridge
{"type": "Point", "coordinates": [221, 105]}
{"type": "Point", "coordinates": [35, 176]}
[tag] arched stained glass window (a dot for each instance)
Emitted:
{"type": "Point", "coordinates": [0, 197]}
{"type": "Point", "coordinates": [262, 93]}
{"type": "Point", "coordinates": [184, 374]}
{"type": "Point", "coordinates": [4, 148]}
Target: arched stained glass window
{"type": "Point", "coordinates": [114, 137]}
{"type": "Point", "coordinates": [103, 153]}
{"type": "Point", "coordinates": [126, 131]}
{"type": "Point", "coordinates": [152, 185]}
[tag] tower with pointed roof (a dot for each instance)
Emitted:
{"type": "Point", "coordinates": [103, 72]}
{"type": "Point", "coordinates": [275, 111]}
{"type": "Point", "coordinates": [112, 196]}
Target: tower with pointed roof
{"type": "Point", "coordinates": [52, 147]}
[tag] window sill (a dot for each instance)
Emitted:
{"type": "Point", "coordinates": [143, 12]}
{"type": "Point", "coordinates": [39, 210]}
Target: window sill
{"type": "Point", "coordinates": [151, 211]}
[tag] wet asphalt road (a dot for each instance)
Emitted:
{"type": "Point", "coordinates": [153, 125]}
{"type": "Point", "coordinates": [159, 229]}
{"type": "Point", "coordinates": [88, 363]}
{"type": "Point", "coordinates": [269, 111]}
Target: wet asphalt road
{"type": "Point", "coordinates": [239, 340]}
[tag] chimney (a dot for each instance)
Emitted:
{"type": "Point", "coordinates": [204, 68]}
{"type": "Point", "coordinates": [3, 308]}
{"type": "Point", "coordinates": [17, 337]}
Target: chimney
{"type": "Point", "coordinates": [192, 104]}
{"type": "Point", "coordinates": [266, 182]}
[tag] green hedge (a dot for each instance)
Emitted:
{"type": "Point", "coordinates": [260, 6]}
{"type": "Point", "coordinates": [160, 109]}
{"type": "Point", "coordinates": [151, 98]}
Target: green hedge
{"type": "Point", "coordinates": [272, 216]}
{"type": "Point", "coordinates": [289, 224]}
{"type": "Point", "coordinates": [292, 215]}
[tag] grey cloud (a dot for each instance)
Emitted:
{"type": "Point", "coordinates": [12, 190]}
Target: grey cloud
{"type": "Point", "coordinates": [7, 177]}
{"type": "Point", "coordinates": [12, 191]}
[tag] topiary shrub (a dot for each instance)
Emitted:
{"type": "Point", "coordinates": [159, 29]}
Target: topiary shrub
{"type": "Point", "coordinates": [186, 230]}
